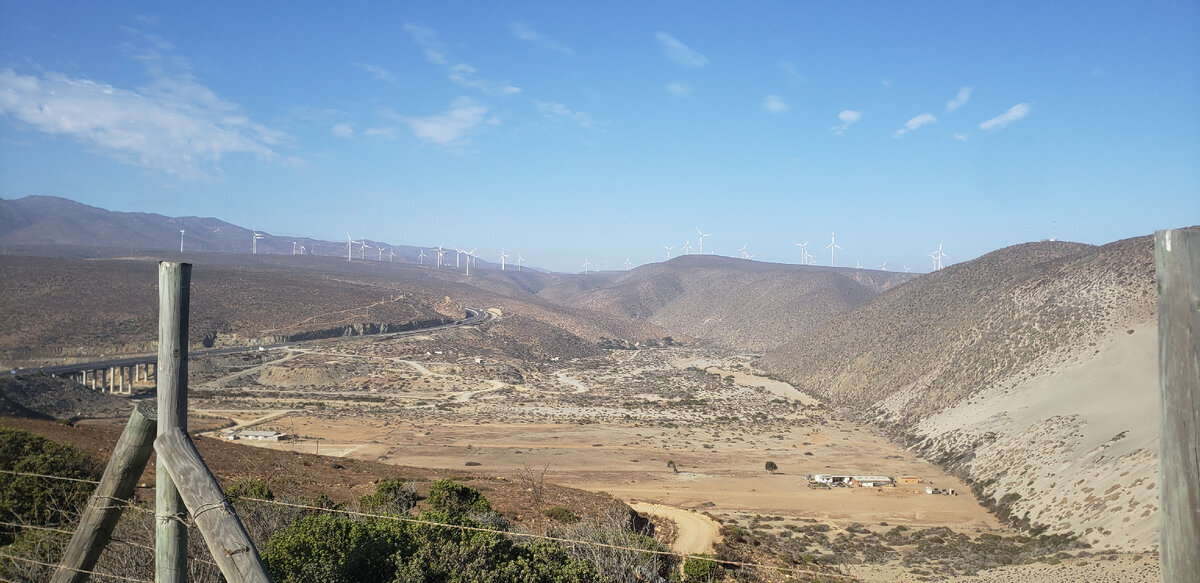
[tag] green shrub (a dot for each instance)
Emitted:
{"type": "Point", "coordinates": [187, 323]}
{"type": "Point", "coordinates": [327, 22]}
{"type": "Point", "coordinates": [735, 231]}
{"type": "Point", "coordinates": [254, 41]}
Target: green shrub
{"type": "Point", "coordinates": [390, 497]}
{"type": "Point", "coordinates": [41, 501]}
{"type": "Point", "coordinates": [700, 568]}
{"type": "Point", "coordinates": [561, 514]}
{"type": "Point", "coordinates": [249, 488]}
{"type": "Point", "coordinates": [456, 499]}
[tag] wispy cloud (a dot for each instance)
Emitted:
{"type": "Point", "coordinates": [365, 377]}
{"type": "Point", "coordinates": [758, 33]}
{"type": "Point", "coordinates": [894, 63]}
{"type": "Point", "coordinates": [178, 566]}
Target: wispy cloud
{"type": "Point", "coordinates": [342, 130]}
{"type": "Point", "coordinates": [681, 89]}
{"type": "Point", "coordinates": [789, 70]}
{"type": "Point", "coordinates": [428, 40]}
{"type": "Point", "coordinates": [683, 55]}
{"type": "Point", "coordinates": [524, 32]}
{"type": "Point", "coordinates": [379, 73]}
{"type": "Point", "coordinates": [172, 124]}
{"type": "Point", "coordinates": [961, 137]}
{"type": "Point", "coordinates": [775, 104]}
{"type": "Point", "coordinates": [555, 110]}
{"type": "Point", "coordinates": [964, 95]}
{"type": "Point", "coordinates": [914, 123]}
{"type": "Point", "coordinates": [448, 128]}
{"type": "Point", "coordinates": [460, 73]}
{"type": "Point", "coordinates": [848, 118]}
{"type": "Point", "coordinates": [1014, 113]}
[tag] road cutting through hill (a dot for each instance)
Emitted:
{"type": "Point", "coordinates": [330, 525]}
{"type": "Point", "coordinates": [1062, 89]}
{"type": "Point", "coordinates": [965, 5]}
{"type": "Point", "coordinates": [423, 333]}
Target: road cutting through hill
{"type": "Point", "coordinates": [694, 532]}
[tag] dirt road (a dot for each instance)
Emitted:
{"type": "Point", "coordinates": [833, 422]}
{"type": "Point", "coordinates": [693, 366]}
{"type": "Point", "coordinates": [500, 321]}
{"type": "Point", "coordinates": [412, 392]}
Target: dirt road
{"type": "Point", "coordinates": [694, 532]}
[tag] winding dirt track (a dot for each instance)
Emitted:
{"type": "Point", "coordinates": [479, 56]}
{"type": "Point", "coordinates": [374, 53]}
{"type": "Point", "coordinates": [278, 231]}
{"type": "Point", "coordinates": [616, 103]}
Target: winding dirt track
{"type": "Point", "coordinates": [694, 532]}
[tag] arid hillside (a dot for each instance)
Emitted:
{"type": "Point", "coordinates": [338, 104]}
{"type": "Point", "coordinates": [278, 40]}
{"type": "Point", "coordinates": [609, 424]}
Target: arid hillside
{"type": "Point", "coordinates": [1030, 370]}
{"type": "Point", "coordinates": [83, 308]}
{"type": "Point", "coordinates": [739, 304]}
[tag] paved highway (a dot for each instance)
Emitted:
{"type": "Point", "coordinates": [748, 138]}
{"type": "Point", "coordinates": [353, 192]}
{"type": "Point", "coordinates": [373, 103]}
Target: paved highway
{"type": "Point", "coordinates": [474, 316]}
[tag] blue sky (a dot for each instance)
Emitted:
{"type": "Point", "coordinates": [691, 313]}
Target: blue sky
{"type": "Point", "coordinates": [565, 131]}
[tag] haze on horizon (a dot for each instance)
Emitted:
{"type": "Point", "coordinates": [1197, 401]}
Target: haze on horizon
{"type": "Point", "coordinates": [566, 132]}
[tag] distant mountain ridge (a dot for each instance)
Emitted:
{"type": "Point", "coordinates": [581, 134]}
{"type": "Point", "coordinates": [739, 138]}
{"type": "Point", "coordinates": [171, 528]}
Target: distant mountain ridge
{"type": "Point", "coordinates": [37, 223]}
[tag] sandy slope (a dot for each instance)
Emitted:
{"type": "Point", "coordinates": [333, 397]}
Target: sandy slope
{"type": "Point", "coordinates": [1087, 432]}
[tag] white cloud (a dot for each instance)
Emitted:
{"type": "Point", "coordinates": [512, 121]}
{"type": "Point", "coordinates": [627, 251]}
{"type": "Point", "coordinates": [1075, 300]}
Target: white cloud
{"type": "Point", "coordinates": [379, 73]}
{"type": "Point", "coordinates": [388, 132]}
{"type": "Point", "coordinates": [680, 89]}
{"type": "Point", "coordinates": [848, 117]}
{"type": "Point", "coordinates": [683, 55]}
{"type": "Point", "coordinates": [460, 73]}
{"type": "Point", "coordinates": [960, 137]}
{"type": "Point", "coordinates": [428, 40]}
{"type": "Point", "coordinates": [464, 75]}
{"type": "Point", "coordinates": [554, 109]}
{"type": "Point", "coordinates": [964, 95]}
{"type": "Point", "coordinates": [1014, 113]}
{"type": "Point", "coordinates": [775, 104]}
{"type": "Point", "coordinates": [450, 127]}
{"type": "Point", "coordinates": [342, 130]}
{"type": "Point", "coordinates": [914, 123]}
{"type": "Point", "coordinates": [524, 32]}
{"type": "Point", "coordinates": [173, 124]}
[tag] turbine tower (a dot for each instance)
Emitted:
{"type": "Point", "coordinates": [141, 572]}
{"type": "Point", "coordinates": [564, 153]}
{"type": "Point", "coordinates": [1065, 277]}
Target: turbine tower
{"type": "Point", "coordinates": [520, 260]}
{"type": "Point", "coordinates": [441, 252]}
{"type": "Point", "coordinates": [470, 254]}
{"type": "Point", "coordinates": [380, 252]}
{"type": "Point", "coordinates": [254, 243]}
{"type": "Point", "coordinates": [293, 247]}
{"type": "Point", "coordinates": [421, 257]}
{"type": "Point", "coordinates": [626, 264]}
{"type": "Point", "coordinates": [181, 240]}
{"type": "Point", "coordinates": [391, 254]}
{"type": "Point", "coordinates": [668, 251]}
{"type": "Point", "coordinates": [831, 247]}
{"type": "Point", "coordinates": [702, 236]}
{"type": "Point", "coordinates": [804, 252]}
{"type": "Point", "coordinates": [458, 257]}
{"type": "Point", "coordinates": [503, 256]}
{"type": "Point", "coordinates": [586, 264]}
{"type": "Point", "coordinates": [938, 256]}
{"type": "Point", "coordinates": [349, 247]}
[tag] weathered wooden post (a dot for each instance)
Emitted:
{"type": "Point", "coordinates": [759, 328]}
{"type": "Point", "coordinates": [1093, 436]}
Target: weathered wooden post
{"type": "Point", "coordinates": [124, 468]}
{"type": "Point", "coordinates": [1177, 267]}
{"type": "Point", "coordinates": [174, 296]}
{"type": "Point", "coordinates": [223, 532]}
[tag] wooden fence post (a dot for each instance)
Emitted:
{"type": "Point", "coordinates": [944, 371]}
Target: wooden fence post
{"type": "Point", "coordinates": [1177, 267]}
{"type": "Point", "coordinates": [124, 468]}
{"type": "Point", "coordinates": [174, 296]}
{"type": "Point", "coordinates": [223, 532]}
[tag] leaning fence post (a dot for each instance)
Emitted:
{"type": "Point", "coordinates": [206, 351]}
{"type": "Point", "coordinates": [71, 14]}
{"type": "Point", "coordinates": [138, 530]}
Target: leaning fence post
{"type": "Point", "coordinates": [124, 468]}
{"type": "Point", "coordinates": [1177, 267]}
{"type": "Point", "coordinates": [174, 295]}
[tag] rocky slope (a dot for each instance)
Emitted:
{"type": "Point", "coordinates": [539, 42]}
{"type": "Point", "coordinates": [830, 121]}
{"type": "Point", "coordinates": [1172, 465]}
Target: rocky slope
{"type": "Point", "coordinates": [1030, 370]}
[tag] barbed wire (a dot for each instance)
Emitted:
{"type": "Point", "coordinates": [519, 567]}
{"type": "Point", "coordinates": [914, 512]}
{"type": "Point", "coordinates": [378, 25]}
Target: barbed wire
{"type": "Point", "coordinates": [547, 538]}
{"type": "Point", "coordinates": [33, 475]}
{"type": "Point", "coordinates": [92, 573]}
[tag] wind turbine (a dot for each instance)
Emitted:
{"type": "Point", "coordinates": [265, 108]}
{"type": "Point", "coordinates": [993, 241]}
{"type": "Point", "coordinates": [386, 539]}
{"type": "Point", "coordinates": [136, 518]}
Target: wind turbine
{"type": "Point", "coordinates": [441, 252]}
{"type": "Point", "coordinates": [883, 266]}
{"type": "Point", "coordinates": [303, 251]}
{"type": "Point", "coordinates": [743, 250]}
{"type": "Point", "coordinates": [503, 256]}
{"type": "Point", "coordinates": [857, 265]}
{"type": "Point", "coordinates": [804, 251]}
{"type": "Point", "coordinates": [380, 251]}
{"type": "Point", "coordinates": [470, 254]}
{"type": "Point", "coordinates": [520, 260]}
{"type": "Point", "coordinates": [668, 251]}
{"type": "Point", "coordinates": [349, 247]}
{"type": "Point", "coordinates": [687, 247]}
{"type": "Point", "coordinates": [626, 264]}
{"type": "Point", "coordinates": [421, 257]}
{"type": "Point", "coordinates": [457, 257]}
{"type": "Point", "coordinates": [702, 236]}
{"type": "Point", "coordinates": [586, 263]}
{"type": "Point", "coordinates": [293, 247]}
{"type": "Point", "coordinates": [605, 265]}
{"type": "Point", "coordinates": [181, 240]}
{"type": "Point", "coordinates": [391, 254]}
{"type": "Point", "coordinates": [907, 269]}
{"type": "Point", "coordinates": [254, 243]}
{"type": "Point", "coordinates": [831, 247]}
{"type": "Point", "coordinates": [938, 256]}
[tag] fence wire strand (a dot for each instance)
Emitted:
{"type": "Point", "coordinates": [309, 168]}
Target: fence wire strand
{"type": "Point", "coordinates": [543, 537]}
